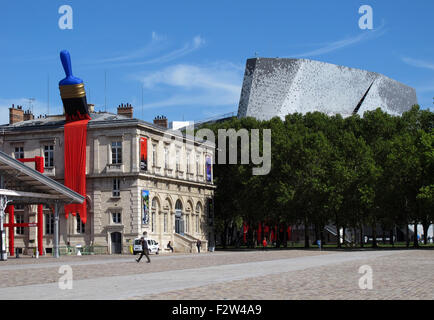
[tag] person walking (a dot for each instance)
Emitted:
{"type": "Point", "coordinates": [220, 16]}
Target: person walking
{"type": "Point", "coordinates": [169, 246]}
{"type": "Point", "coordinates": [145, 250]}
{"type": "Point", "coordinates": [198, 244]}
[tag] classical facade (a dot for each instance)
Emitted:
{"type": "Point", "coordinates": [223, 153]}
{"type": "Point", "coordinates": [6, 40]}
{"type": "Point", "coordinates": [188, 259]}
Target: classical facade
{"type": "Point", "coordinates": [140, 177]}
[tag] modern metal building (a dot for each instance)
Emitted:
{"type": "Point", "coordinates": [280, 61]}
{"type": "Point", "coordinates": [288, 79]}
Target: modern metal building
{"type": "Point", "coordinates": [277, 87]}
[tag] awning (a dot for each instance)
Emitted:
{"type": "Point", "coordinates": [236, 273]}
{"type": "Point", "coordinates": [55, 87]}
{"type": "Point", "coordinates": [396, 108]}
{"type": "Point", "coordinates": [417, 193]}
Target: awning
{"type": "Point", "coordinates": [25, 185]}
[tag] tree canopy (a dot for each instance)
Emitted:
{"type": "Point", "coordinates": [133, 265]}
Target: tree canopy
{"type": "Point", "coordinates": [350, 172]}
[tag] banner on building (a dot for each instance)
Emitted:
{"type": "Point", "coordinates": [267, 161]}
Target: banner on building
{"type": "Point", "coordinates": [145, 206]}
{"type": "Point", "coordinates": [208, 168]}
{"type": "Point", "coordinates": [143, 154]}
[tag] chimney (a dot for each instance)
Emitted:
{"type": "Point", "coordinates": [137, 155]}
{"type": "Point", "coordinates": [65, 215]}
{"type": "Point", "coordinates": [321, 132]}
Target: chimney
{"type": "Point", "coordinates": [91, 108]}
{"type": "Point", "coordinates": [125, 110]}
{"type": "Point", "coordinates": [161, 121]}
{"type": "Point", "coordinates": [28, 115]}
{"type": "Point", "coordinates": [16, 115]}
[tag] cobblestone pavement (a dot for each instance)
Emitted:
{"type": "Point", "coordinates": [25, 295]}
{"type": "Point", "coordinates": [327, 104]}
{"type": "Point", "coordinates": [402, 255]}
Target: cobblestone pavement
{"type": "Point", "coordinates": [396, 274]}
{"type": "Point", "coordinates": [20, 272]}
{"type": "Point", "coordinates": [405, 275]}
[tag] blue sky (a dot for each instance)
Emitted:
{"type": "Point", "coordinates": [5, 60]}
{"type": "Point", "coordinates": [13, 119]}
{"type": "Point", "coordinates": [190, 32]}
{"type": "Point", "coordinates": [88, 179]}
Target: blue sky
{"type": "Point", "coordinates": [188, 57]}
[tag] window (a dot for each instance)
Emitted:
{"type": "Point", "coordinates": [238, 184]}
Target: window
{"type": "Point", "coordinates": [153, 227]}
{"type": "Point", "coordinates": [154, 207]}
{"type": "Point", "coordinates": [166, 157]}
{"type": "Point", "coordinates": [178, 160]}
{"type": "Point", "coordinates": [49, 156]}
{"type": "Point", "coordinates": [117, 152]}
{"type": "Point", "coordinates": [154, 155]}
{"type": "Point", "coordinates": [197, 165]}
{"type": "Point", "coordinates": [116, 187]}
{"type": "Point", "coordinates": [188, 161]}
{"type": "Point", "coordinates": [19, 218]}
{"type": "Point", "coordinates": [165, 222]}
{"type": "Point", "coordinates": [19, 153]}
{"type": "Point", "coordinates": [116, 217]}
{"type": "Point", "coordinates": [19, 207]}
{"type": "Point", "coordinates": [49, 223]}
{"type": "Point", "coordinates": [198, 211]}
{"type": "Point", "coordinates": [80, 225]}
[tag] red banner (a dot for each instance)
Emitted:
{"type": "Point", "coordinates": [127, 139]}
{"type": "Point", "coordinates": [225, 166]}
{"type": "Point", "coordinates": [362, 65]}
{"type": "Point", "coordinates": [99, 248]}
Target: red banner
{"type": "Point", "coordinates": [143, 154]}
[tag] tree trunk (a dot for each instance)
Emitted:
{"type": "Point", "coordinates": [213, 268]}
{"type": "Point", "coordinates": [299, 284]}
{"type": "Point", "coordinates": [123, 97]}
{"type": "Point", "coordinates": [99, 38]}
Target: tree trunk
{"type": "Point", "coordinates": [425, 226]}
{"type": "Point", "coordinates": [321, 235]}
{"type": "Point", "coordinates": [415, 241]}
{"type": "Point", "coordinates": [391, 234]}
{"type": "Point", "coordinates": [374, 235]}
{"type": "Point", "coordinates": [361, 237]}
{"type": "Point", "coordinates": [343, 236]}
{"type": "Point", "coordinates": [306, 234]}
{"type": "Point", "coordinates": [407, 236]}
{"type": "Point", "coordinates": [338, 235]}
{"type": "Point", "coordinates": [384, 235]}
{"type": "Point", "coordinates": [224, 235]}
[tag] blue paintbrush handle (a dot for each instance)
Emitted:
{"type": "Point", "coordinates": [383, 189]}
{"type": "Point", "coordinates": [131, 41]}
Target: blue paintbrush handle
{"type": "Point", "coordinates": [66, 62]}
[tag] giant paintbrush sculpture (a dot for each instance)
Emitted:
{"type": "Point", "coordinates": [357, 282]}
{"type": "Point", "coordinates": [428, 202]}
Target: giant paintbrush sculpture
{"type": "Point", "coordinates": [72, 92]}
{"type": "Point", "coordinates": [76, 116]}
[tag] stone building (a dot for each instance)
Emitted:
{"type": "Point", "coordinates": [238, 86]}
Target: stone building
{"type": "Point", "coordinates": [173, 180]}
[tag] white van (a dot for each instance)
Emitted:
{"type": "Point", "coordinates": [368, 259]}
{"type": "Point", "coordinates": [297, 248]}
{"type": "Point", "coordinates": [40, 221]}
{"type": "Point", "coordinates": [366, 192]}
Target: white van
{"type": "Point", "coordinates": [152, 246]}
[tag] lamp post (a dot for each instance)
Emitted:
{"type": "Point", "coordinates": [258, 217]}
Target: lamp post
{"type": "Point", "coordinates": [56, 229]}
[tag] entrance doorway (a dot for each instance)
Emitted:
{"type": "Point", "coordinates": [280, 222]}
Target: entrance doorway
{"type": "Point", "coordinates": [116, 238]}
{"type": "Point", "coordinates": [179, 222]}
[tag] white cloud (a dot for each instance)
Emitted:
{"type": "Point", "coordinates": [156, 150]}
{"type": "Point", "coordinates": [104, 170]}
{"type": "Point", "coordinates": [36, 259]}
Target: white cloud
{"type": "Point", "coordinates": [213, 85]}
{"type": "Point", "coordinates": [189, 47]}
{"type": "Point", "coordinates": [418, 63]}
{"type": "Point", "coordinates": [339, 44]}
{"type": "Point", "coordinates": [153, 46]}
{"type": "Point", "coordinates": [157, 44]}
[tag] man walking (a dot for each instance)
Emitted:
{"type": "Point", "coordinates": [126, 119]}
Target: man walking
{"type": "Point", "coordinates": [145, 250]}
{"type": "Point", "coordinates": [198, 244]}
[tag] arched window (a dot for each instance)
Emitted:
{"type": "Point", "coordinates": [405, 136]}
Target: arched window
{"type": "Point", "coordinates": [179, 222]}
{"type": "Point", "coordinates": [178, 205]}
{"type": "Point", "coordinates": [198, 212]}
{"type": "Point", "coordinates": [154, 209]}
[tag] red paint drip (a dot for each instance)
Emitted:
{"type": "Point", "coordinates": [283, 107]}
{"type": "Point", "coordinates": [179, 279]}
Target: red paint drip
{"type": "Point", "coordinates": [75, 164]}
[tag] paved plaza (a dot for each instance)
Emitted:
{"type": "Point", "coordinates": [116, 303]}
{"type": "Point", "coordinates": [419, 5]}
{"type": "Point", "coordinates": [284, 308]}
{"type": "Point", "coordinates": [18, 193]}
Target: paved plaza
{"type": "Point", "coordinates": [231, 275]}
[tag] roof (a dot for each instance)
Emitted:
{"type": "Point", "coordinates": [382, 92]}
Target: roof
{"type": "Point", "coordinates": [23, 184]}
{"type": "Point", "coordinates": [98, 119]}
